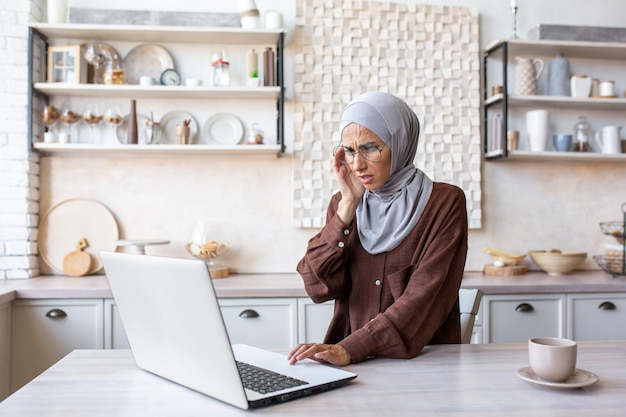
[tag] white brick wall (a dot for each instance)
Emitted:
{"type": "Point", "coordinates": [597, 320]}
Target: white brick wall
{"type": "Point", "coordinates": [19, 170]}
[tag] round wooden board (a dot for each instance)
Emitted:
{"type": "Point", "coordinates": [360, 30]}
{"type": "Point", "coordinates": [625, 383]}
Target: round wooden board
{"type": "Point", "coordinates": [493, 270]}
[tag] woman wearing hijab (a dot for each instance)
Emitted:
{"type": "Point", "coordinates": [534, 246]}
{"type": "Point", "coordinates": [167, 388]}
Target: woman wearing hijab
{"type": "Point", "coordinates": [393, 249]}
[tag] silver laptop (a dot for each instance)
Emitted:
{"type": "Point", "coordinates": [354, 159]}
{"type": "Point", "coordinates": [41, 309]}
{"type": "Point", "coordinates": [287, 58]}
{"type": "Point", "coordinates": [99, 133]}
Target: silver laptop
{"type": "Point", "coordinates": [175, 329]}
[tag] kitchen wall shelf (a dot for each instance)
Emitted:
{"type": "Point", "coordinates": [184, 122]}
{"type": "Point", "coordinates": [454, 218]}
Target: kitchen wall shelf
{"type": "Point", "coordinates": [63, 149]}
{"type": "Point", "coordinates": [40, 35]}
{"type": "Point", "coordinates": [501, 53]}
{"type": "Point", "coordinates": [160, 91]}
{"type": "Point", "coordinates": [518, 155]}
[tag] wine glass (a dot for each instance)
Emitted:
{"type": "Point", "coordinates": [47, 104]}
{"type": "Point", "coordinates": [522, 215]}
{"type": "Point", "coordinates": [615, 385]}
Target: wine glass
{"type": "Point", "coordinates": [92, 117]}
{"type": "Point", "coordinates": [69, 118]}
{"type": "Point", "coordinates": [94, 56]}
{"type": "Point", "coordinates": [113, 117]}
{"type": "Point", "coordinates": [49, 117]}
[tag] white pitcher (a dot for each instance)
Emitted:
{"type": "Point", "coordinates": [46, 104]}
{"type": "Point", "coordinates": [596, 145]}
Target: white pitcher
{"type": "Point", "coordinates": [527, 73]}
{"type": "Point", "coordinates": [608, 138]}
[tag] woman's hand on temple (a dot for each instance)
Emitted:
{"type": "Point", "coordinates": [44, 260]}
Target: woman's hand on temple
{"type": "Point", "coordinates": [320, 352]}
{"type": "Point", "coordinates": [350, 187]}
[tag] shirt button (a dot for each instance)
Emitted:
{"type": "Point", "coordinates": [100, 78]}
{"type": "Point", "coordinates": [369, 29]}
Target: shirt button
{"type": "Point", "coordinates": [377, 282]}
{"type": "Point", "coordinates": [341, 244]}
{"type": "Point", "coordinates": [346, 232]}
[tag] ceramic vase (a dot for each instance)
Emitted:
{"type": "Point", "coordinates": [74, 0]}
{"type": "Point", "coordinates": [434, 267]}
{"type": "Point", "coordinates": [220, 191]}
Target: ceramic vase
{"type": "Point", "coordinates": [538, 129]}
{"type": "Point", "coordinates": [558, 76]}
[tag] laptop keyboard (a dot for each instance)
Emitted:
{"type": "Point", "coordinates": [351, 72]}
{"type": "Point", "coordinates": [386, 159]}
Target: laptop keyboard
{"type": "Point", "coordinates": [264, 381]}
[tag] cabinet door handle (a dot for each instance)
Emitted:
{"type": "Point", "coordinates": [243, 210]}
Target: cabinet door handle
{"type": "Point", "coordinates": [248, 314]}
{"type": "Point", "coordinates": [524, 308]}
{"type": "Point", "coordinates": [607, 305]}
{"type": "Point", "coordinates": [56, 313]}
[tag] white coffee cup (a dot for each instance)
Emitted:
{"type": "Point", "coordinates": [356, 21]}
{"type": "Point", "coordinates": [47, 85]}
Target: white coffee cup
{"type": "Point", "coordinates": [608, 139]}
{"type": "Point", "coordinates": [538, 129]}
{"type": "Point", "coordinates": [146, 80]}
{"type": "Point", "coordinates": [552, 358]}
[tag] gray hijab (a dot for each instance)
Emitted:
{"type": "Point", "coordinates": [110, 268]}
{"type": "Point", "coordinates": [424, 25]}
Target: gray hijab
{"type": "Point", "coordinates": [387, 215]}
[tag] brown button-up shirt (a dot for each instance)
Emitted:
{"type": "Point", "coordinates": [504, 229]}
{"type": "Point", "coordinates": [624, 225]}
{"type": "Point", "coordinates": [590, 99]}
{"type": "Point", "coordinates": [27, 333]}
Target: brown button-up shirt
{"type": "Point", "coordinates": [394, 303]}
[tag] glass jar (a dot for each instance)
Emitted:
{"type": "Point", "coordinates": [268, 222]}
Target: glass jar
{"type": "Point", "coordinates": [113, 73]}
{"type": "Point", "coordinates": [582, 135]}
{"type": "Point", "coordinates": [221, 73]}
{"type": "Point", "coordinates": [154, 133]}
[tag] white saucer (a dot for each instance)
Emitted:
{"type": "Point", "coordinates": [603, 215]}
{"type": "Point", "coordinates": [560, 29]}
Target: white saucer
{"type": "Point", "coordinates": [580, 378]}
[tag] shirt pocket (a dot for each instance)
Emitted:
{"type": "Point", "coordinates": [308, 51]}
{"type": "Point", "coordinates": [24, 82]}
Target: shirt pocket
{"type": "Point", "coordinates": [399, 280]}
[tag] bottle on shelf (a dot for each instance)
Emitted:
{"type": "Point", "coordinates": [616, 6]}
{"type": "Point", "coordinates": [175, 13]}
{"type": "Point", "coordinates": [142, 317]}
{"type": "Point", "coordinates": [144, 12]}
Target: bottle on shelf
{"type": "Point", "coordinates": [269, 76]}
{"type": "Point", "coordinates": [133, 132]}
{"type": "Point", "coordinates": [582, 135]}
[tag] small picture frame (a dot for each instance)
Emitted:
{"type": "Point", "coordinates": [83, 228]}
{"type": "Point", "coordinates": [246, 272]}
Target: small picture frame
{"type": "Point", "coordinates": [66, 65]}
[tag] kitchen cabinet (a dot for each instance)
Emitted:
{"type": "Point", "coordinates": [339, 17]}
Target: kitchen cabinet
{"type": "Point", "coordinates": [596, 59]}
{"type": "Point", "coordinates": [596, 316]}
{"type": "Point", "coordinates": [185, 44]}
{"type": "Point", "coordinates": [313, 320]}
{"type": "Point", "coordinates": [5, 350]}
{"type": "Point", "coordinates": [579, 316]}
{"type": "Point", "coordinates": [516, 318]}
{"type": "Point", "coordinates": [114, 334]}
{"type": "Point", "coordinates": [45, 330]}
{"type": "Point", "coordinates": [270, 323]}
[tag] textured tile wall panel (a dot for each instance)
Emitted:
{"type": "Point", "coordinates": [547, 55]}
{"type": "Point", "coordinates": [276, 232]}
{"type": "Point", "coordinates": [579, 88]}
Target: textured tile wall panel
{"type": "Point", "coordinates": [428, 55]}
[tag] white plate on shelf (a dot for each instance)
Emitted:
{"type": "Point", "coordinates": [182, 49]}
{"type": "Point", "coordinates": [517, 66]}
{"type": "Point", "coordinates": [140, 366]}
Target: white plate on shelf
{"type": "Point", "coordinates": [222, 129]}
{"type": "Point", "coordinates": [122, 130]}
{"type": "Point", "coordinates": [168, 125]}
{"type": "Point", "coordinates": [146, 59]}
{"type": "Point", "coordinates": [580, 378]}
{"type": "Point", "coordinates": [64, 224]}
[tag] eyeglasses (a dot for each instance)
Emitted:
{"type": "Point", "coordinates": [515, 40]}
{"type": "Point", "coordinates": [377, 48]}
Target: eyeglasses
{"type": "Point", "coordinates": [368, 151]}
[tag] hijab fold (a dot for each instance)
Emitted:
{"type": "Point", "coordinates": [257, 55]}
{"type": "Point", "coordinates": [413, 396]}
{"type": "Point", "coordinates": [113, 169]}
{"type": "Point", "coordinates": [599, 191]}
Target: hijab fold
{"type": "Point", "coordinates": [387, 215]}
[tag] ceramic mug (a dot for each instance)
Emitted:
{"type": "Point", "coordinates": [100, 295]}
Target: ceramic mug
{"type": "Point", "coordinates": [562, 142]}
{"type": "Point", "coordinates": [608, 139]}
{"type": "Point", "coordinates": [551, 358]}
{"type": "Point", "coordinates": [537, 127]}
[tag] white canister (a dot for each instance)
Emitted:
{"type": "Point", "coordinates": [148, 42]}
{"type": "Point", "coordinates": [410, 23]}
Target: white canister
{"type": "Point", "coordinates": [273, 20]}
{"type": "Point", "coordinates": [538, 129]}
{"type": "Point", "coordinates": [607, 89]}
{"type": "Point", "coordinates": [57, 11]}
{"type": "Point", "coordinates": [250, 19]}
{"type": "Point", "coordinates": [580, 86]}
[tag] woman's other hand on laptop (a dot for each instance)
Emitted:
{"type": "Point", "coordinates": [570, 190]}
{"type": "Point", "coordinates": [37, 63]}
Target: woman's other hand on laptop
{"type": "Point", "coordinates": [320, 352]}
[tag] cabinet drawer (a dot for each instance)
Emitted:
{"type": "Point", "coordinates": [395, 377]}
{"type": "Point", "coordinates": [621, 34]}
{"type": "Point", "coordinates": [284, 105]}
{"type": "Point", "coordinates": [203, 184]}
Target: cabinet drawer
{"type": "Point", "coordinates": [313, 320]}
{"type": "Point", "coordinates": [517, 318]}
{"type": "Point", "coordinates": [597, 317]}
{"type": "Point", "coordinates": [44, 331]}
{"type": "Point", "coordinates": [269, 323]}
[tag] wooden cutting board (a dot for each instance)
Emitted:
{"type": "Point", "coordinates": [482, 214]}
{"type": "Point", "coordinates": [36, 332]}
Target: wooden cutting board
{"type": "Point", "coordinates": [77, 263]}
{"type": "Point", "coordinates": [492, 270]}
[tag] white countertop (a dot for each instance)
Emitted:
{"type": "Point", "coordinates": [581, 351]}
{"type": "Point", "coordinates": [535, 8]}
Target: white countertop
{"type": "Point", "coordinates": [290, 285]}
{"type": "Point", "coordinates": [444, 380]}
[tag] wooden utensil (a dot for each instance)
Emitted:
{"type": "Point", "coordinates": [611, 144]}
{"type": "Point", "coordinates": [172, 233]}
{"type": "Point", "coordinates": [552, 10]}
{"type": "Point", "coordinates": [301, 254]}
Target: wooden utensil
{"type": "Point", "coordinates": [77, 263]}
